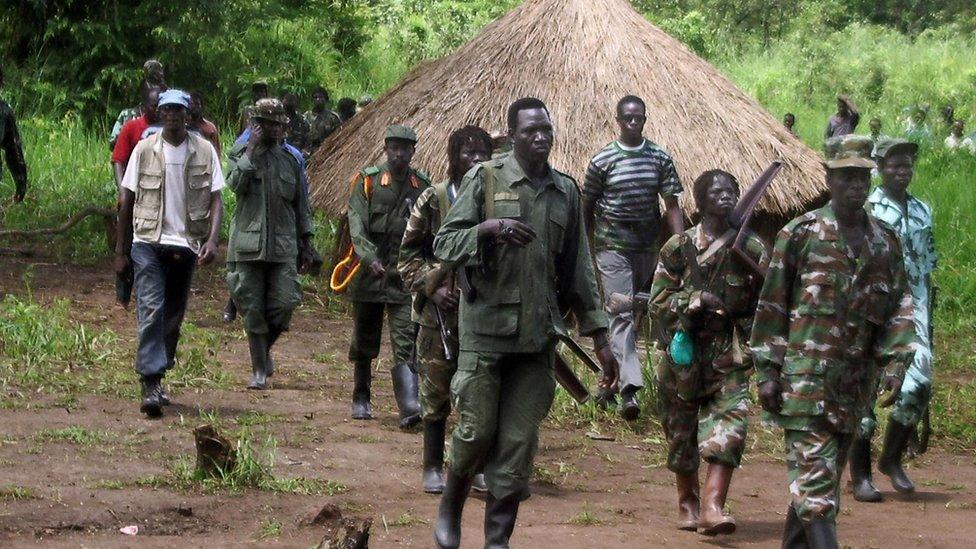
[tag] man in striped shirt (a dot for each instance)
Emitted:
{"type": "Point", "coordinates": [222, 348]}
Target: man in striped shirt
{"type": "Point", "coordinates": [620, 206]}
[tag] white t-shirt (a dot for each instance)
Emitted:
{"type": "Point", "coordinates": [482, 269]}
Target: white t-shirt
{"type": "Point", "coordinates": [174, 201]}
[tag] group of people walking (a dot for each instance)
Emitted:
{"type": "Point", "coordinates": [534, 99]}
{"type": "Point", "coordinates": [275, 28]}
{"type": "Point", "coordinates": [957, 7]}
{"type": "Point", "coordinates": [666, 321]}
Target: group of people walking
{"type": "Point", "coordinates": [480, 275]}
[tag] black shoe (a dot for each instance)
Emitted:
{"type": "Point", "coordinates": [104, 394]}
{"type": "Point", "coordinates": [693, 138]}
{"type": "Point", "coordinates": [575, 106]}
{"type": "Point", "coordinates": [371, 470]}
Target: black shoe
{"type": "Point", "coordinates": [362, 377]}
{"type": "Point", "coordinates": [896, 439]}
{"type": "Point", "coordinates": [151, 405]}
{"type": "Point", "coordinates": [230, 312]}
{"type": "Point", "coordinates": [629, 407]}
{"type": "Point", "coordinates": [434, 456]}
{"type": "Point", "coordinates": [794, 537]}
{"type": "Point", "coordinates": [821, 534]}
{"type": "Point", "coordinates": [163, 395]}
{"type": "Point", "coordinates": [257, 344]}
{"type": "Point", "coordinates": [405, 390]}
{"type": "Point", "coordinates": [478, 483]}
{"type": "Point", "coordinates": [447, 527]}
{"type": "Point", "coordinates": [605, 398]}
{"type": "Point", "coordinates": [861, 481]}
{"type": "Point", "coordinates": [500, 515]}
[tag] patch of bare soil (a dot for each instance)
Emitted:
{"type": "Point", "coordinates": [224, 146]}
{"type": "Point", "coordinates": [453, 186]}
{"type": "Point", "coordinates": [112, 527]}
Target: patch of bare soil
{"type": "Point", "coordinates": [589, 493]}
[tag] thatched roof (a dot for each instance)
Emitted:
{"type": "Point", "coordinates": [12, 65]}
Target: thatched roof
{"type": "Point", "coordinates": [580, 57]}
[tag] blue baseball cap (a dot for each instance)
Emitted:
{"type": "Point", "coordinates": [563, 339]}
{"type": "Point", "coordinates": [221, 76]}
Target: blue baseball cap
{"type": "Point", "coordinates": [174, 97]}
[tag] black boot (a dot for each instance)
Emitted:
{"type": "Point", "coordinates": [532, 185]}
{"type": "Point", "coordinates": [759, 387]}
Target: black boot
{"type": "Point", "coordinates": [405, 391]}
{"type": "Point", "coordinates": [362, 376]}
{"type": "Point", "coordinates": [896, 439]}
{"type": "Point", "coordinates": [821, 534]}
{"type": "Point", "coordinates": [629, 407]}
{"type": "Point", "coordinates": [861, 482]}
{"type": "Point", "coordinates": [794, 537]}
{"type": "Point", "coordinates": [163, 395]}
{"type": "Point", "coordinates": [257, 344]}
{"type": "Point", "coordinates": [434, 456]}
{"type": "Point", "coordinates": [151, 405]}
{"type": "Point", "coordinates": [230, 311]}
{"type": "Point", "coordinates": [447, 528]}
{"type": "Point", "coordinates": [500, 517]}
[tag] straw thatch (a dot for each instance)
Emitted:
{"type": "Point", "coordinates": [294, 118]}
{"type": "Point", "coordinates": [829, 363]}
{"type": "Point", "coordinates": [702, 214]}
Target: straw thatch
{"type": "Point", "coordinates": [580, 57]}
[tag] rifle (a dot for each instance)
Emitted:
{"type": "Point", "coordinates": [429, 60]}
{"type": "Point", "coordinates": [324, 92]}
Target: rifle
{"type": "Point", "coordinates": [431, 285]}
{"type": "Point", "coordinates": [565, 374]}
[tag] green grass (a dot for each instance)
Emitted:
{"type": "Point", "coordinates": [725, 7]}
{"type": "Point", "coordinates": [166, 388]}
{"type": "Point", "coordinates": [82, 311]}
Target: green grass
{"type": "Point", "coordinates": [75, 435]}
{"type": "Point", "coordinates": [16, 493]}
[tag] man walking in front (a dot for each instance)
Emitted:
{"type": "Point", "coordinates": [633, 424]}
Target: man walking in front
{"type": "Point", "coordinates": [169, 221]}
{"type": "Point", "coordinates": [517, 230]}
{"type": "Point", "coordinates": [378, 210]}
{"type": "Point", "coordinates": [620, 205]}
{"type": "Point", "coordinates": [834, 315]}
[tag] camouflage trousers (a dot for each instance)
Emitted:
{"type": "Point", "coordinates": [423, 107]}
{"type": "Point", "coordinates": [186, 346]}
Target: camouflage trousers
{"type": "Point", "coordinates": [711, 428]}
{"type": "Point", "coordinates": [815, 461]}
{"type": "Point", "coordinates": [435, 373]}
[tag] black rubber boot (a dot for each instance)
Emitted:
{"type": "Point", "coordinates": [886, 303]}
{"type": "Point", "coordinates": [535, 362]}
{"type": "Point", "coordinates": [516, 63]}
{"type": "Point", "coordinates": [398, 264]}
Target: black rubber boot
{"type": "Point", "coordinates": [896, 439]}
{"type": "Point", "coordinates": [405, 390]}
{"type": "Point", "coordinates": [794, 537]}
{"type": "Point", "coordinates": [257, 344]}
{"type": "Point", "coordinates": [821, 534]}
{"type": "Point", "coordinates": [447, 528]}
{"type": "Point", "coordinates": [151, 405]}
{"type": "Point", "coordinates": [478, 483]}
{"type": "Point", "coordinates": [861, 481]}
{"type": "Point", "coordinates": [629, 407]}
{"type": "Point", "coordinates": [433, 477]}
{"type": "Point", "coordinates": [230, 311]}
{"type": "Point", "coordinates": [163, 395]}
{"type": "Point", "coordinates": [362, 377]}
{"type": "Point", "coordinates": [500, 515]}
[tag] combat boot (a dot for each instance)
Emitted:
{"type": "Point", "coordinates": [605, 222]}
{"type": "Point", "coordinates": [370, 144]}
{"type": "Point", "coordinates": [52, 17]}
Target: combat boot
{"type": "Point", "coordinates": [688, 503]}
{"type": "Point", "coordinates": [405, 390]}
{"type": "Point", "coordinates": [500, 515]}
{"type": "Point", "coordinates": [896, 439]}
{"type": "Point", "coordinates": [230, 311]}
{"type": "Point", "coordinates": [362, 377]}
{"type": "Point", "coordinates": [447, 528]}
{"type": "Point", "coordinates": [629, 407]}
{"type": "Point", "coordinates": [794, 537]}
{"type": "Point", "coordinates": [434, 456]}
{"type": "Point", "coordinates": [713, 520]}
{"type": "Point", "coordinates": [151, 405]}
{"type": "Point", "coordinates": [478, 483]}
{"type": "Point", "coordinates": [861, 482]}
{"type": "Point", "coordinates": [821, 533]}
{"type": "Point", "coordinates": [257, 344]}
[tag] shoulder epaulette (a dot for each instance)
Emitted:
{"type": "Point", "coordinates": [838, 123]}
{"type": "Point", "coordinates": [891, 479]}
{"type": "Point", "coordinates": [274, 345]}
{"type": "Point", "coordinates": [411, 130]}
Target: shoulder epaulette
{"type": "Point", "coordinates": [423, 176]}
{"type": "Point", "coordinates": [371, 171]}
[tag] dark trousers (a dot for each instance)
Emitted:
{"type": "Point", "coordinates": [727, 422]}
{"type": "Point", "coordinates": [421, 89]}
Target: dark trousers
{"type": "Point", "coordinates": [162, 285]}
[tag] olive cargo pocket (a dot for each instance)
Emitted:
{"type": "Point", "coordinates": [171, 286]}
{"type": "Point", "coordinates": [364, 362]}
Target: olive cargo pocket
{"type": "Point", "coordinates": [499, 316]}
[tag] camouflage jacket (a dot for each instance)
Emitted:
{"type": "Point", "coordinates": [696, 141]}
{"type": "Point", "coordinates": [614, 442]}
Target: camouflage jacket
{"type": "Point", "coordinates": [299, 133]}
{"type": "Point", "coordinates": [673, 291]}
{"type": "Point", "coordinates": [829, 322]}
{"type": "Point", "coordinates": [321, 125]}
{"type": "Point", "coordinates": [417, 264]}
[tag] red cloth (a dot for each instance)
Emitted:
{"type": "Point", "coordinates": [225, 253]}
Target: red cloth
{"type": "Point", "coordinates": [128, 138]}
{"type": "Point", "coordinates": [209, 131]}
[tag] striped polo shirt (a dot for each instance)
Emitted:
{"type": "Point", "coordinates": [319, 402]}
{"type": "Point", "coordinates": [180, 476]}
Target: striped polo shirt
{"type": "Point", "coordinates": [625, 184]}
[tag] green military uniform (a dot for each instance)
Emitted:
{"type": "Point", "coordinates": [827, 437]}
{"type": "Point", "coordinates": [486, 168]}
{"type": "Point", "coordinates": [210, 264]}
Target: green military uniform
{"type": "Point", "coordinates": [420, 272]}
{"type": "Point", "coordinates": [376, 226]}
{"type": "Point", "coordinates": [321, 125]}
{"type": "Point", "coordinates": [272, 215]}
{"type": "Point", "coordinates": [504, 385]}
{"type": "Point", "coordinates": [828, 322]}
{"type": "Point", "coordinates": [705, 405]}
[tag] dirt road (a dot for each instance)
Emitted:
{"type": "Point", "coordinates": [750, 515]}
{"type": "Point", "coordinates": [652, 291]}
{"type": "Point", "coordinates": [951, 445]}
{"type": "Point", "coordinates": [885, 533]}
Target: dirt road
{"type": "Point", "coordinates": [587, 493]}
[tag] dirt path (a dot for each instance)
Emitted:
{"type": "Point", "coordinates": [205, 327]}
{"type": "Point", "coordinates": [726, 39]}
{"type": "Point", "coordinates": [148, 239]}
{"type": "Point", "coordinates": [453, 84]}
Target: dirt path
{"type": "Point", "coordinates": [587, 493]}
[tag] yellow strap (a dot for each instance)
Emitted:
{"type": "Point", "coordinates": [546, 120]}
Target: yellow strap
{"type": "Point", "coordinates": [345, 270]}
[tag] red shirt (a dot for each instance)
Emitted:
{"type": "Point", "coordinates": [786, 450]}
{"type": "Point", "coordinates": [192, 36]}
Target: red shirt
{"type": "Point", "coordinates": [128, 138]}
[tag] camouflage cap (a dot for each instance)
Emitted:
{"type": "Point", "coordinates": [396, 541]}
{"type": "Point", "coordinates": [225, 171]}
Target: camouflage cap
{"type": "Point", "coordinates": [849, 151]}
{"type": "Point", "coordinates": [270, 109]}
{"type": "Point", "coordinates": [399, 131]}
{"type": "Point", "coordinates": [890, 146]}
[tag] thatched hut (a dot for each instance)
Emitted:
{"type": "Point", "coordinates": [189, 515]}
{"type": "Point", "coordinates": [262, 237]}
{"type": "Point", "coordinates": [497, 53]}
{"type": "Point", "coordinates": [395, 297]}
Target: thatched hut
{"type": "Point", "coordinates": [580, 57]}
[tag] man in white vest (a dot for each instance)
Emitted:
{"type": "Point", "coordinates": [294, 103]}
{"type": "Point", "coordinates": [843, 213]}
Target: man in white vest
{"type": "Point", "coordinates": [169, 221]}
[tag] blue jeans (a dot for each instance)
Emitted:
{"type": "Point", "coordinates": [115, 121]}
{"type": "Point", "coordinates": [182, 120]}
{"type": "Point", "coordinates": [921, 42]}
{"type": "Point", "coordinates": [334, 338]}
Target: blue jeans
{"type": "Point", "coordinates": [162, 285]}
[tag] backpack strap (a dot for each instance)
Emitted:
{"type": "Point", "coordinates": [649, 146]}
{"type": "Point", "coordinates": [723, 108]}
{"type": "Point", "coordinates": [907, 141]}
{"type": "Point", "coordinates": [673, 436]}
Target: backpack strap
{"type": "Point", "coordinates": [489, 185]}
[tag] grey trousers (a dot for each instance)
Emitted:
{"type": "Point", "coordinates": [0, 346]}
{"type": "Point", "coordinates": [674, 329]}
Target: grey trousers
{"type": "Point", "coordinates": [624, 272]}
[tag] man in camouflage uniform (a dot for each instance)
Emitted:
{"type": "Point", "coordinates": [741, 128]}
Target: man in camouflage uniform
{"type": "Point", "coordinates": [272, 226]}
{"type": "Point", "coordinates": [12, 148]}
{"type": "Point", "coordinates": [298, 129]}
{"type": "Point", "coordinates": [835, 312]}
{"type": "Point", "coordinates": [321, 120]}
{"type": "Point", "coordinates": [379, 206]}
{"type": "Point", "coordinates": [435, 293]}
{"type": "Point", "coordinates": [517, 229]}
{"type": "Point", "coordinates": [912, 220]}
{"type": "Point", "coordinates": [705, 404]}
